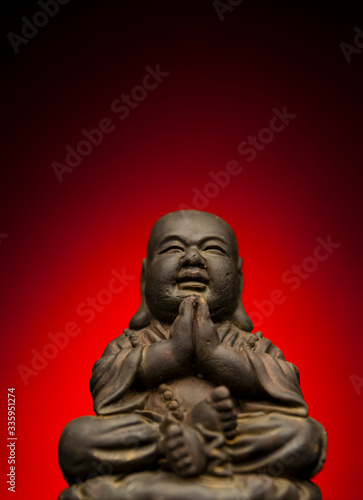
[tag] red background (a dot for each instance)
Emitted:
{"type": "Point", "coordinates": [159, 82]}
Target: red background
{"type": "Point", "coordinates": [65, 238]}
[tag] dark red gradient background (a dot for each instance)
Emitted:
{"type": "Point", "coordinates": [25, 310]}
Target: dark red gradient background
{"type": "Point", "coordinates": [65, 238]}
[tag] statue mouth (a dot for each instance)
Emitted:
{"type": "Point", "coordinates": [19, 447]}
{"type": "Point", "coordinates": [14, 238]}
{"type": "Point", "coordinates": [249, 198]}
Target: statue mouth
{"type": "Point", "coordinates": [192, 279]}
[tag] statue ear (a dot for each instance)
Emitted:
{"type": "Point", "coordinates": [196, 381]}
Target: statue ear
{"type": "Point", "coordinates": [143, 316]}
{"type": "Point", "coordinates": [240, 317]}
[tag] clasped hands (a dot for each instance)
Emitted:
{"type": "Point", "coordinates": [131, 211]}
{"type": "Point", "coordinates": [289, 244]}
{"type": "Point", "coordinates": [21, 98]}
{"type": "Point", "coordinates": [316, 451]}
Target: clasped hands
{"type": "Point", "coordinates": [193, 346]}
{"type": "Point", "coordinates": [193, 335]}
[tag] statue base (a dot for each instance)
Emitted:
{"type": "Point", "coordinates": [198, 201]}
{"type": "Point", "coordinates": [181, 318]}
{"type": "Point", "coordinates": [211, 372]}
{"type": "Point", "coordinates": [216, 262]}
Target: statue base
{"type": "Point", "coordinates": [159, 485]}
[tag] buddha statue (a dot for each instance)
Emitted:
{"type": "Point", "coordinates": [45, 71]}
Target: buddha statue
{"type": "Point", "coordinates": [189, 403]}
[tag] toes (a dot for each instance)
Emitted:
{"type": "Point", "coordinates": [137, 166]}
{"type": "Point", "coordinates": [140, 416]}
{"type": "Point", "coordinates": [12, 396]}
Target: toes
{"type": "Point", "coordinates": [226, 416]}
{"type": "Point", "coordinates": [230, 434]}
{"type": "Point", "coordinates": [185, 463]}
{"type": "Point", "coordinates": [184, 451]}
{"type": "Point", "coordinates": [221, 392]}
{"type": "Point", "coordinates": [173, 431]}
{"type": "Point", "coordinates": [174, 443]}
{"type": "Point", "coordinates": [229, 425]}
{"type": "Point", "coordinates": [225, 405]}
{"type": "Point", "coordinates": [179, 453]}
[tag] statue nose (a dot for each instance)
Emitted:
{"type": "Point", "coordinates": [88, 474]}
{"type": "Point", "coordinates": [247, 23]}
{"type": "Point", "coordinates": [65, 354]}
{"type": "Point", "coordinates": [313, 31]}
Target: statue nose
{"type": "Point", "coordinates": [193, 258]}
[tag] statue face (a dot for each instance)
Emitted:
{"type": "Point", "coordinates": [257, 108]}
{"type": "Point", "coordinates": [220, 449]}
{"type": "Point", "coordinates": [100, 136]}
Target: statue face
{"type": "Point", "coordinates": [195, 255]}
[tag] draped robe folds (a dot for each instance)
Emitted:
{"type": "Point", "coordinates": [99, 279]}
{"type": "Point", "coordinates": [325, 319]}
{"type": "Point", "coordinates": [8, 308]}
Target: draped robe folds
{"type": "Point", "coordinates": [275, 437]}
{"type": "Point", "coordinates": [275, 382]}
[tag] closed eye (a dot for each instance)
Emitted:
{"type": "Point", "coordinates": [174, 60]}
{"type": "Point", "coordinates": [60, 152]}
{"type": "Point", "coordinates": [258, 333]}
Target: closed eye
{"type": "Point", "coordinates": [215, 249]}
{"type": "Point", "coordinates": [172, 249]}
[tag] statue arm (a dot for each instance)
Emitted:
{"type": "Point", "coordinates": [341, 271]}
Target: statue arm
{"type": "Point", "coordinates": [159, 362]}
{"type": "Point", "coordinates": [261, 375]}
{"type": "Point", "coordinates": [267, 381]}
{"type": "Point", "coordinates": [173, 357]}
{"type": "Point", "coordinates": [112, 377]}
{"type": "Point", "coordinates": [124, 371]}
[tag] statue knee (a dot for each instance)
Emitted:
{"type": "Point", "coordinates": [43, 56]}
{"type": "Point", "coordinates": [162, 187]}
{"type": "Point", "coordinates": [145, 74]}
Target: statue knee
{"type": "Point", "coordinates": [308, 433]}
{"type": "Point", "coordinates": [82, 437]}
{"type": "Point", "coordinates": [304, 452]}
{"type": "Point", "coordinates": [94, 446]}
{"type": "Point", "coordinates": [74, 446]}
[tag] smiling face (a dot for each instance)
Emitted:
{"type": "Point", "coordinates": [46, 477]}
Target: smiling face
{"type": "Point", "coordinates": [194, 253]}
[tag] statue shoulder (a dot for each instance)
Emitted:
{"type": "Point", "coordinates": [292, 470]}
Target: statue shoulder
{"type": "Point", "coordinates": [117, 344]}
{"type": "Point", "coordinates": [256, 342]}
{"type": "Point", "coordinates": [265, 345]}
{"type": "Point", "coordinates": [135, 338]}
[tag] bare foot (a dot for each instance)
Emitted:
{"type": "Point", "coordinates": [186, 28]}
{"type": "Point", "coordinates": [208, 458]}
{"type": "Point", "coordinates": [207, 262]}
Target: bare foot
{"type": "Point", "coordinates": [184, 450]}
{"type": "Point", "coordinates": [220, 399]}
{"type": "Point", "coordinates": [216, 412]}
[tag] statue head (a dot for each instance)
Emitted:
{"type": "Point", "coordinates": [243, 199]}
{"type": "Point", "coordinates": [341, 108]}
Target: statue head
{"type": "Point", "coordinates": [191, 253]}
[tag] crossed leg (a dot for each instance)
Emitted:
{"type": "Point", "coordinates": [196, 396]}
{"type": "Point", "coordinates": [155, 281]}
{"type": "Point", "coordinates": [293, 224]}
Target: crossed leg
{"type": "Point", "coordinates": [92, 446]}
{"type": "Point", "coordinates": [190, 448]}
{"type": "Point", "coordinates": [96, 452]}
{"type": "Point", "coordinates": [278, 445]}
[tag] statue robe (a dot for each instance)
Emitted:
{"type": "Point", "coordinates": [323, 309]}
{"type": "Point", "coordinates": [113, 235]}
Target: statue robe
{"type": "Point", "coordinates": [275, 436]}
{"type": "Point", "coordinates": [275, 382]}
